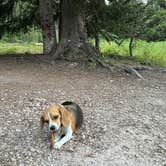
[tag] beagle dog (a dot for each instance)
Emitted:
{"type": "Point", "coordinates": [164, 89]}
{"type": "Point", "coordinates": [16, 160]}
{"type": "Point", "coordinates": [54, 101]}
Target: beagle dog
{"type": "Point", "coordinates": [64, 120]}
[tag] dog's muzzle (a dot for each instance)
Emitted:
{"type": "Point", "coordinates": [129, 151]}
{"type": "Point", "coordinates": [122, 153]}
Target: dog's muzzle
{"type": "Point", "coordinates": [53, 128]}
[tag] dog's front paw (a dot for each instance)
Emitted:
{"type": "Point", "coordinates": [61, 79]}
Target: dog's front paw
{"type": "Point", "coordinates": [57, 145]}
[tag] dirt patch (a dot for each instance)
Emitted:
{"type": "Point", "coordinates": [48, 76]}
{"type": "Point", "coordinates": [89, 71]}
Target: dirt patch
{"type": "Point", "coordinates": [124, 118]}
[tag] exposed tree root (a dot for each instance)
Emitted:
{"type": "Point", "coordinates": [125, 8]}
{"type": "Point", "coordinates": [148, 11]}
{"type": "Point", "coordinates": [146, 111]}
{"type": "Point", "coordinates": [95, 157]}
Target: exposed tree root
{"type": "Point", "coordinates": [132, 70]}
{"type": "Point", "coordinates": [105, 65]}
{"type": "Point", "coordinates": [138, 68]}
{"type": "Point", "coordinates": [129, 69]}
{"type": "Point", "coordinates": [162, 70]}
{"type": "Point", "coordinates": [41, 59]}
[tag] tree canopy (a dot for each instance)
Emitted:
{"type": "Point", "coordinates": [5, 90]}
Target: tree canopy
{"type": "Point", "coordinates": [115, 20]}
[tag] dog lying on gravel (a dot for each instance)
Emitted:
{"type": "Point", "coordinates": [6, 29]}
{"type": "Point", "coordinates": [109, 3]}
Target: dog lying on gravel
{"type": "Point", "coordinates": [64, 120]}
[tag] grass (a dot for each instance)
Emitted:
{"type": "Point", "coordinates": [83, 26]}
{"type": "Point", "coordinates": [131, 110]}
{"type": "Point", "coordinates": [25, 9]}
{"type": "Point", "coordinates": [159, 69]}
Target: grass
{"type": "Point", "coordinates": [153, 53]}
{"type": "Point", "coordinates": [19, 48]}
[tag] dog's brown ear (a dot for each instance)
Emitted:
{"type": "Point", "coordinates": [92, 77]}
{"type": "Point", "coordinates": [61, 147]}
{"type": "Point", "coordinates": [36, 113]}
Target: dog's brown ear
{"type": "Point", "coordinates": [64, 117]}
{"type": "Point", "coordinates": [42, 119]}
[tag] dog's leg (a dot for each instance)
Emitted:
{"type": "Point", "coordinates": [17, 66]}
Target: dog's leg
{"type": "Point", "coordinates": [57, 137]}
{"type": "Point", "coordinates": [66, 138]}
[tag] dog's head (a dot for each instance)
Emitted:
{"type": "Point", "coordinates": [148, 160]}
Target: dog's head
{"type": "Point", "coordinates": [54, 116]}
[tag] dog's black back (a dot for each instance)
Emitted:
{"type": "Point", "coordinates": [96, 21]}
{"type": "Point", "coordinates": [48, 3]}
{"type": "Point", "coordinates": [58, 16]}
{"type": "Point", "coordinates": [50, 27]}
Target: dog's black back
{"type": "Point", "coordinates": [71, 106]}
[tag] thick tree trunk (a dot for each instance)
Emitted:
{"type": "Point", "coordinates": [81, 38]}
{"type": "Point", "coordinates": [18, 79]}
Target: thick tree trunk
{"type": "Point", "coordinates": [48, 26]}
{"type": "Point", "coordinates": [73, 44]}
{"type": "Point", "coordinates": [131, 46]}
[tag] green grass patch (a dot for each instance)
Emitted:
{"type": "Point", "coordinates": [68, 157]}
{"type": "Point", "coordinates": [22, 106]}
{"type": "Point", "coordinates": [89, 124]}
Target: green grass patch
{"type": "Point", "coordinates": [153, 53]}
{"type": "Point", "coordinates": [33, 35]}
{"type": "Point", "coordinates": [19, 48]}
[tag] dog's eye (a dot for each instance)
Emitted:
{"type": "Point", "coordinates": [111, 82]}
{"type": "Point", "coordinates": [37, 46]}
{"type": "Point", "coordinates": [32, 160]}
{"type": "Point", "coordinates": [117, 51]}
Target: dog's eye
{"type": "Point", "coordinates": [56, 117]}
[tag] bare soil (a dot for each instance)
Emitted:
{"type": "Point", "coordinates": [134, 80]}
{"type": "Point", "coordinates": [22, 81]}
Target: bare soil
{"type": "Point", "coordinates": [124, 117]}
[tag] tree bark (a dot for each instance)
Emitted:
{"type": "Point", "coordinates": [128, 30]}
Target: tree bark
{"type": "Point", "coordinates": [48, 25]}
{"type": "Point", "coordinates": [131, 46]}
{"type": "Point", "coordinates": [73, 44]}
{"type": "Point", "coordinates": [97, 42]}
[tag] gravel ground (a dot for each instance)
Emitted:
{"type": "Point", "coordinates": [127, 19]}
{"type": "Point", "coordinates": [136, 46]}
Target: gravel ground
{"type": "Point", "coordinates": [124, 118]}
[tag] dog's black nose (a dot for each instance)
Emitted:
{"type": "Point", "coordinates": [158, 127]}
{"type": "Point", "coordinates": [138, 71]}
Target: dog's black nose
{"type": "Point", "coordinates": [52, 128]}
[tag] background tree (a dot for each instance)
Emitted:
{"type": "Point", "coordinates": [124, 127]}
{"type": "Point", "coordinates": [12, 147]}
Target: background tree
{"type": "Point", "coordinates": [83, 20]}
{"type": "Point", "coordinates": [155, 29]}
{"type": "Point", "coordinates": [17, 15]}
{"type": "Point", "coordinates": [93, 19]}
{"type": "Point", "coordinates": [73, 43]}
{"type": "Point", "coordinates": [126, 19]}
{"type": "Point", "coordinates": [47, 25]}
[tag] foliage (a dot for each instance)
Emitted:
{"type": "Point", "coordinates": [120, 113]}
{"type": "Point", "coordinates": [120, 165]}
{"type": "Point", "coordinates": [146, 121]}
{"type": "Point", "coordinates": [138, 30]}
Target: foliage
{"type": "Point", "coordinates": [122, 18]}
{"type": "Point", "coordinates": [156, 26]}
{"type": "Point", "coordinates": [145, 52]}
{"type": "Point", "coordinates": [93, 16]}
{"type": "Point", "coordinates": [157, 4]}
{"type": "Point", "coordinates": [33, 35]}
{"type": "Point", "coordinates": [118, 20]}
{"type": "Point", "coordinates": [20, 15]}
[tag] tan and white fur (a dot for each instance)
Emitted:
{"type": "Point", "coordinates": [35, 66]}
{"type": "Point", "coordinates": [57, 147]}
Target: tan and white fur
{"type": "Point", "coordinates": [63, 119]}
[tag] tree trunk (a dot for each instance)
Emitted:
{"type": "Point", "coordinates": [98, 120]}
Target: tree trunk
{"type": "Point", "coordinates": [131, 46]}
{"type": "Point", "coordinates": [48, 25]}
{"type": "Point", "coordinates": [97, 42]}
{"type": "Point", "coordinates": [73, 44]}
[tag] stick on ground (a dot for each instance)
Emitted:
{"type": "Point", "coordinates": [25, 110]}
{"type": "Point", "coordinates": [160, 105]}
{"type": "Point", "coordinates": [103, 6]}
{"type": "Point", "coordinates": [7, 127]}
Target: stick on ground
{"type": "Point", "coordinates": [52, 140]}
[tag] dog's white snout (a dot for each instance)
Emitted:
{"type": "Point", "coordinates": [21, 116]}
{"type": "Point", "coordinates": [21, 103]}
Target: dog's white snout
{"type": "Point", "coordinates": [53, 127]}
